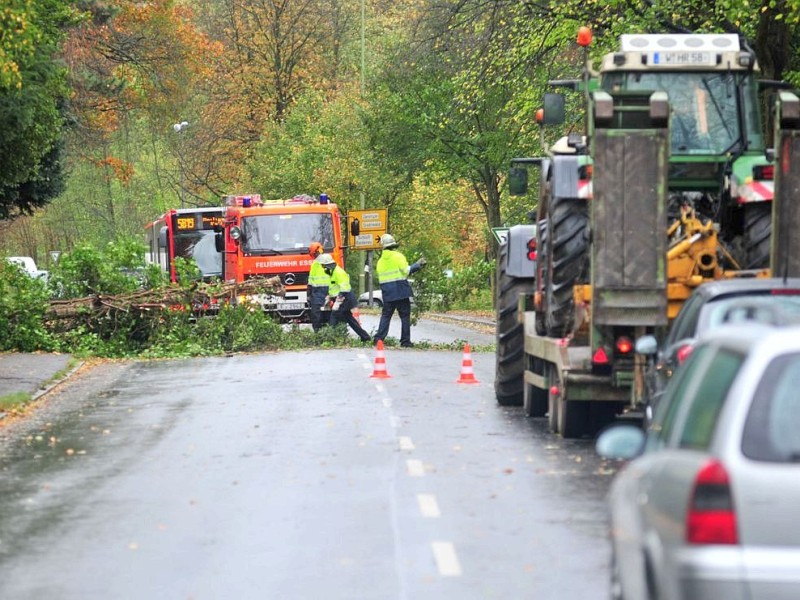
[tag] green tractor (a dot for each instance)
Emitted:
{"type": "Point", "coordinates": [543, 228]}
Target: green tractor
{"type": "Point", "coordinates": [673, 128]}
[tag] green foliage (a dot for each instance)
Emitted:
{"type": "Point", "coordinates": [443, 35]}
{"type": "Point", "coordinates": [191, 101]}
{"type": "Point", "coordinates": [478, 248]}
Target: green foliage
{"type": "Point", "coordinates": [32, 91]}
{"type": "Point", "coordinates": [117, 269]}
{"type": "Point", "coordinates": [23, 301]}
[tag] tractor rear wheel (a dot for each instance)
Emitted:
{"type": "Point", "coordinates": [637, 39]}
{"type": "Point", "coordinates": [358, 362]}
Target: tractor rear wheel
{"type": "Point", "coordinates": [568, 228]}
{"type": "Point", "coordinates": [757, 230]}
{"type": "Point", "coordinates": [510, 332]}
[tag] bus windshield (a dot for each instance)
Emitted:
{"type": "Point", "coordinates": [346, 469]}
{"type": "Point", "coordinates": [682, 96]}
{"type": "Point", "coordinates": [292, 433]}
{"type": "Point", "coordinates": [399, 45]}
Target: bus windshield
{"type": "Point", "coordinates": [200, 246]}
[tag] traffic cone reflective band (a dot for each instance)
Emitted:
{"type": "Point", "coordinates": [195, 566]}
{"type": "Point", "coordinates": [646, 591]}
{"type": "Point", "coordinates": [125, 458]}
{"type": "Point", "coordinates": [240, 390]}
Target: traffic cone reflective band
{"type": "Point", "coordinates": [467, 374]}
{"type": "Point", "coordinates": [380, 363]}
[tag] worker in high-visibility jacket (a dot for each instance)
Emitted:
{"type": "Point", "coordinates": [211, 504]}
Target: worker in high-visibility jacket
{"type": "Point", "coordinates": [393, 271]}
{"type": "Point", "coordinates": [341, 294]}
{"type": "Point", "coordinates": [317, 290]}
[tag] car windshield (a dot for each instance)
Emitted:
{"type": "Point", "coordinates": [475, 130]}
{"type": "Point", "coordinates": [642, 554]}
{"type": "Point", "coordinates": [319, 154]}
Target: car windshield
{"type": "Point", "coordinates": [286, 234]}
{"type": "Point", "coordinates": [772, 429]}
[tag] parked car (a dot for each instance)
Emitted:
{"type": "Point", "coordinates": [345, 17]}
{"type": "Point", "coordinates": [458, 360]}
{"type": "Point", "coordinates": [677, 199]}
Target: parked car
{"type": "Point", "coordinates": [708, 506]}
{"type": "Point", "coordinates": [774, 301]}
{"type": "Point", "coordinates": [28, 265]}
{"type": "Point", "coordinates": [377, 299]}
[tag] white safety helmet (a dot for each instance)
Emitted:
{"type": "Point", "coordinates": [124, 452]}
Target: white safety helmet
{"type": "Point", "coordinates": [388, 241]}
{"type": "Point", "coordinates": [325, 259]}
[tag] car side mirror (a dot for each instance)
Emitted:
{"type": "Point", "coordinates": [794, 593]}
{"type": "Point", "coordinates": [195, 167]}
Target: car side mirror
{"type": "Point", "coordinates": [355, 227]}
{"type": "Point", "coordinates": [620, 442]}
{"type": "Point", "coordinates": [219, 242]}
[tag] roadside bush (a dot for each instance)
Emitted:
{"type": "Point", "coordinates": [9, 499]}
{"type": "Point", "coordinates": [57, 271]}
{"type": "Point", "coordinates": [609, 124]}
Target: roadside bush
{"type": "Point", "coordinates": [242, 329]}
{"type": "Point", "coordinates": [23, 302]}
{"type": "Point", "coordinates": [118, 269]}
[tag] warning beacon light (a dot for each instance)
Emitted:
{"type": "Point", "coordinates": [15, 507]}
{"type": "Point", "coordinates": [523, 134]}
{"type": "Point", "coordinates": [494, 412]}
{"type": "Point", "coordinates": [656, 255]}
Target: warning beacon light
{"type": "Point", "coordinates": [323, 198]}
{"type": "Point", "coordinates": [584, 36]}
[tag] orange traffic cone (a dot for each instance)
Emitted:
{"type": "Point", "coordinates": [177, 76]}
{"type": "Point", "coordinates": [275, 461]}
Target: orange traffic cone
{"type": "Point", "coordinates": [467, 374]}
{"type": "Point", "coordinates": [356, 314]}
{"type": "Point", "coordinates": [380, 371]}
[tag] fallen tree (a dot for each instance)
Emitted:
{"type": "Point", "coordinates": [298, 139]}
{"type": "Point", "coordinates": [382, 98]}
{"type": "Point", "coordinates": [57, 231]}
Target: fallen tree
{"type": "Point", "coordinates": [199, 297]}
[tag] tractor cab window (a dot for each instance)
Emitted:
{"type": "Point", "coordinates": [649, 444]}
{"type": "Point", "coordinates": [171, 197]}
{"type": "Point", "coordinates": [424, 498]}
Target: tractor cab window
{"type": "Point", "coordinates": [704, 107]}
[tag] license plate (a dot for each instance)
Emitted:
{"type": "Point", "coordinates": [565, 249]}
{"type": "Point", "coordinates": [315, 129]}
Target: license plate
{"type": "Point", "coordinates": [683, 58]}
{"type": "Point", "coordinates": [290, 306]}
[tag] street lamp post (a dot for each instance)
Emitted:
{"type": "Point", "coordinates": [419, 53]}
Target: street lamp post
{"type": "Point", "coordinates": [178, 128]}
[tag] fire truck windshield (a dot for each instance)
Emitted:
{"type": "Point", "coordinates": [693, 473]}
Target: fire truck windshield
{"type": "Point", "coordinates": [287, 233]}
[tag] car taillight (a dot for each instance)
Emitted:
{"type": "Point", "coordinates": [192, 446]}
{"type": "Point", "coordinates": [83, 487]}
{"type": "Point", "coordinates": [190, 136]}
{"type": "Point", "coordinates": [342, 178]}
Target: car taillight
{"type": "Point", "coordinates": [532, 249]}
{"type": "Point", "coordinates": [710, 518]}
{"type": "Point", "coordinates": [624, 345]}
{"type": "Point", "coordinates": [683, 353]}
{"type": "Point", "coordinates": [764, 172]}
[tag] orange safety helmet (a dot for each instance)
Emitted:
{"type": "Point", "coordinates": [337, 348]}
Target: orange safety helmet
{"type": "Point", "coordinates": [315, 249]}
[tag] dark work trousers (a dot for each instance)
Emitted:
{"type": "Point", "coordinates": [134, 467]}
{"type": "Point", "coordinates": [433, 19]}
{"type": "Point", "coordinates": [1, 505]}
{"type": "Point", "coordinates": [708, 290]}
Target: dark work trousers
{"type": "Point", "coordinates": [344, 315]}
{"type": "Point", "coordinates": [319, 317]}
{"type": "Point", "coordinates": [403, 308]}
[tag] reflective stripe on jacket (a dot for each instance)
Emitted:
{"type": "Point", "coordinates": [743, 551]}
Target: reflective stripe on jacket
{"type": "Point", "coordinates": [393, 271]}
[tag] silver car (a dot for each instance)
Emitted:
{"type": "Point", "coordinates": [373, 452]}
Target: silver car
{"type": "Point", "coordinates": [709, 506]}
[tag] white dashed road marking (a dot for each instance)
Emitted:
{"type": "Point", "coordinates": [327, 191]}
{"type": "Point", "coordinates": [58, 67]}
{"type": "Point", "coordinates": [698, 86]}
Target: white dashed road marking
{"type": "Point", "coordinates": [415, 467]}
{"type": "Point", "coordinates": [406, 443]}
{"type": "Point", "coordinates": [428, 506]}
{"type": "Point", "coordinates": [446, 559]}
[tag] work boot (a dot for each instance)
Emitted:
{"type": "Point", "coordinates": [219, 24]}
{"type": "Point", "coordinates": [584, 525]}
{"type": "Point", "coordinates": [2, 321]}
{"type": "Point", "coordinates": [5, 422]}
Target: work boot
{"type": "Point", "coordinates": [406, 345]}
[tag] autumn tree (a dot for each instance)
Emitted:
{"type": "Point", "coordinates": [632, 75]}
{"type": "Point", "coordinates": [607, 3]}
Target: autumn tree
{"type": "Point", "coordinates": [32, 92]}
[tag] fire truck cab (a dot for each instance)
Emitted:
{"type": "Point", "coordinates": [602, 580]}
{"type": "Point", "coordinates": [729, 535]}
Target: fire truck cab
{"type": "Point", "coordinates": [271, 238]}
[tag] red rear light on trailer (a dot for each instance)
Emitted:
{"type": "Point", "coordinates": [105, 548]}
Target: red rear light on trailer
{"type": "Point", "coordinates": [710, 518]}
{"type": "Point", "coordinates": [683, 353]}
{"type": "Point", "coordinates": [600, 356]}
{"type": "Point", "coordinates": [532, 249]}
{"type": "Point", "coordinates": [764, 172]}
{"type": "Point", "coordinates": [624, 345]}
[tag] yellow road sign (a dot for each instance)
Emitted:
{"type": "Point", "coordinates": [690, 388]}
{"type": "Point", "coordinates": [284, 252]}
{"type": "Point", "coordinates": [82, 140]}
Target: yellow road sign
{"type": "Point", "coordinates": [366, 228]}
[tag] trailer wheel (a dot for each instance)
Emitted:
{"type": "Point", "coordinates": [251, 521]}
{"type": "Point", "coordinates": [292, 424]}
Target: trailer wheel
{"type": "Point", "coordinates": [757, 230]}
{"type": "Point", "coordinates": [535, 401]}
{"type": "Point", "coordinates": [553, 382]}
{"type": "Point", "coordinates": [569, 220]}
{"type": "Point", "coordinates": [572, 418]}
{"type": "Point", "coordinates": [510, 342]}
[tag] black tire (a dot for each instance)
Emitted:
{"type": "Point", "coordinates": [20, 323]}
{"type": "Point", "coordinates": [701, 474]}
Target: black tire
{"type": "Point", "coordinates": [757, 234]}
{"type": "Point", "coordinates": [573, 417]}
{"type": "Point", "coordinates": [534, 401]}
{"type": "Point", "coordinates": [542, 262]}
{"type": "Point", "coordinates": [510, 334]}
{"type": "Point", "coordinates": [569, 221]}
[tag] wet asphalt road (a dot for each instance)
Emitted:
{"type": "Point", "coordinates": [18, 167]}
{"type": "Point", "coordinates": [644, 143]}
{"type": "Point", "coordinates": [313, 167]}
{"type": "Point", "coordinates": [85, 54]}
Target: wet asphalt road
{"type": "Point", "coordinates": [296, 475]}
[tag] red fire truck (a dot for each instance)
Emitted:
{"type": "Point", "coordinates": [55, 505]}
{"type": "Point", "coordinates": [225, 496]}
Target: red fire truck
{"type": "Point", "coordinates": [186, 233]}
{"type": "Point", "coordinates": [271, 239]}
